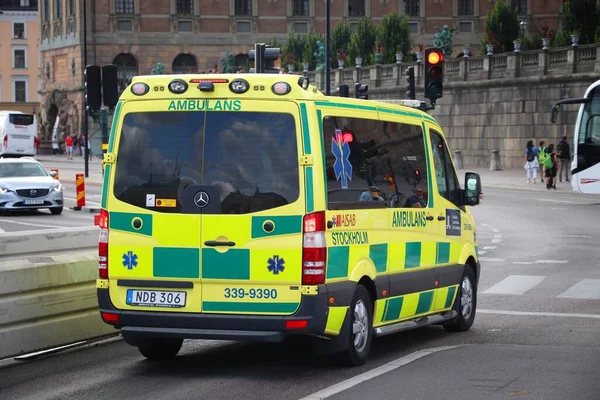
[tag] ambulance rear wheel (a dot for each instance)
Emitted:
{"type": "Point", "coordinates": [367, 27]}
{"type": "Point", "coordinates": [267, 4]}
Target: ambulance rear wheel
{"type": "Point", "coordinates": [361, 328]}
{"type": "Point", "coordinates": [161, 349]}
{"type": "Point", "coordinates": [465, 304]}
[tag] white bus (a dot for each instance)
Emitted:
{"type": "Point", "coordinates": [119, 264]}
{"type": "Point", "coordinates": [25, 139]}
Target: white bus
{"type": "Point", "coordinates": [18, 133]}
{"type": "Point", "coordinates": [585, 167]}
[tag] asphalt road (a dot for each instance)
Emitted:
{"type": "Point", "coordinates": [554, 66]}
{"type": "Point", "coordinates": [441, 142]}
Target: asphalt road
{"type": "Point", "coordinates": [536, 334]}
{"type": "Point", "coordinates": [42, 219]}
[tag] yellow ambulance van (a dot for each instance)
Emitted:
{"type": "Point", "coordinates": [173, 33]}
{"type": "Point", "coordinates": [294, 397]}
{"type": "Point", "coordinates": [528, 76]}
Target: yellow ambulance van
{"type": "Point", "coordinates": [252, 207]}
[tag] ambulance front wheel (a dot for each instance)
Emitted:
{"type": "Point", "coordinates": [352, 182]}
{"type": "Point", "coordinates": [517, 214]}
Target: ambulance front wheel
{"type": "Point", "coordinates": [361, 328]}
{"type": "Point", "coordinates": [161, 349]}
{"type": "Point", "coordinates": [465, 304]}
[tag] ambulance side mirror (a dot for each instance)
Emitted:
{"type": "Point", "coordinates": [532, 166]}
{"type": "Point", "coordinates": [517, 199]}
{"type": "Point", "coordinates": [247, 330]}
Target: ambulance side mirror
{"type": "Point", "coordinates": [472, 190]}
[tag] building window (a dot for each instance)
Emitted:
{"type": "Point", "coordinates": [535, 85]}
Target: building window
{"type": "Point", "coordinates": [185, 6]}
{"type": "Point", "coordinates": [300, 8]}
{"type": "Point", "coordinates": [71, 7]}
{"type": "Point", "coordinates": [300, 27]}
{"type": "Point", "coordinates": [124, 6]}
{"type": "Point", "coordinates": [185, 26]}
{"type": "Point", "coordinates": [465, 8]}
{"type": "Point", "coordinates": [19, 58]}
{"type": "Point", "coordinates": [520, 5]}
{"type": "Point", "coordinates": [465, 27]}
{"type": "Point", "coordinates": [125, 25]}
{"type": "Point", "coordinates": [185, 64]}
{"type": "Point", "coordinates": [20, 91]}
{"type": "Point", "coordinates": [57, 9]}
{"type": "Point", "coordinates": [412, 8]}
{"type": "Point", "coordinates": [243, 7]}
{"type": "Point", "coordinates": [19, 30]}
{"type": "Point", "coordinates": [356, 8]}
{"type": "Point", "coordinates": [45, 11]}
{"type": "Point", "coordinates": [127, 69]}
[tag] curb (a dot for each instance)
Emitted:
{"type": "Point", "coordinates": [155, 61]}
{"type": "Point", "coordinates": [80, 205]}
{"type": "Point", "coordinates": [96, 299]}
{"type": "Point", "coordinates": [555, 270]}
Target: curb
{"type": "Point", "coordinates": [87, 209]}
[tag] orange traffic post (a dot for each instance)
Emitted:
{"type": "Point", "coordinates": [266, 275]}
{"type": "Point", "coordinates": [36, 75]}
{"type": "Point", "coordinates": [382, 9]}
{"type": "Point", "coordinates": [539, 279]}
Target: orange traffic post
{"type": "Point", "coordinates": [80, 187]}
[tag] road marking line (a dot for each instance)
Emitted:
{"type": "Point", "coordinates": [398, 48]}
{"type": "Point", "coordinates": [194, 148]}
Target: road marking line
{"type": "Point", "coordinates": [538, 314]}
{"type": "Point", "coordinates": [358, 379]}
{"type": "Point", "coordinates": [585, 289]}
{"type": "Point", "coordinates": [10, 221]}
{"type": "Point", "coordinates": [496, 230]}
{"type": "Point", "coordinates": [490, 259]}
{"type": "Point", "coordinates": [496, 240]}
{"type": "Point", "coordinates": [497, 236]}
{"type": "Point", "coordinates": [523, 262]}
{"type": "Point", "coordinates": [2, 231]}
{"type": "Point", "coordinates": [516, 284]}
{"type": "Point", "coordinates": [86, 202]}
{"type": "Point", "coordinates": [551, 261]}
{"type": "Point", "coordinates": [482, 251]}
{"type": "Point", "coordinates": [490, 247]}
{"type": "Point", "coordinates": [486, 225]}
{"type": "Point", "coordinates": [572, 236]}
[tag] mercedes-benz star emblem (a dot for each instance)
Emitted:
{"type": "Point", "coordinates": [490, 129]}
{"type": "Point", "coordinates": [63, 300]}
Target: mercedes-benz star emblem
{"type": "Point", "coordinates": [201, 199]}
{"type": "Point", "coordinates": [33, 192]}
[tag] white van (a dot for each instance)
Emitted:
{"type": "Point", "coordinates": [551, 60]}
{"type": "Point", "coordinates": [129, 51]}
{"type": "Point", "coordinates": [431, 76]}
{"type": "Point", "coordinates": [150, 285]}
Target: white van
{"type": "Point", "coordinates": [18, 132]}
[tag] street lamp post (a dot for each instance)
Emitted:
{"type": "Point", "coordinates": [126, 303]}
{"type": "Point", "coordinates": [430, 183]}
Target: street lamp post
{"type": "Point", "coordinates": [85, 114]}
{"type": "Point", "coordinates": [328, 49]}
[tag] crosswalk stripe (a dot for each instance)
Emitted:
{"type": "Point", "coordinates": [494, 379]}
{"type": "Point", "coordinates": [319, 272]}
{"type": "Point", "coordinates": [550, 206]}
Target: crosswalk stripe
{"type": "Point", "coordinates": [585, 289]}
{"type": "Point", "coordinates": [490, 259]}
{"type": "Point", "coordinates": [490, 247]}
{"type": "Point", "coordinates": [516, 284]}
{"type": "Point", "coordinates": [551, 261]}
{"type": "Point", "coordinates": [496, 240]}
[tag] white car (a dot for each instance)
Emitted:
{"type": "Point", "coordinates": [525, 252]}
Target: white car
{"type": "Point", "coordinates": [26, 185]}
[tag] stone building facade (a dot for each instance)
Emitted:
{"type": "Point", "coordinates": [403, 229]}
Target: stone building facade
{"type": "Point", "coordinates": [193, 35]}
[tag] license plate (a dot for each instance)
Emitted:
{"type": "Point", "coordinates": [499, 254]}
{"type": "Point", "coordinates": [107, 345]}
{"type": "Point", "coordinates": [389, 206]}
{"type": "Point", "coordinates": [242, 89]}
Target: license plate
{"type": "Point", "coordinates": [32, 202]}
{"type": "Point", "coordinates": [156, 298]}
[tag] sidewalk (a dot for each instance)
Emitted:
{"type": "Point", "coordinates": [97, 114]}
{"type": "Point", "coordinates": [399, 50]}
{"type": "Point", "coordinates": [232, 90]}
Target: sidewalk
{"type": "Point", "coordinates": [512, 179]}
{"type": "Point", "coordinates": [67, 169]}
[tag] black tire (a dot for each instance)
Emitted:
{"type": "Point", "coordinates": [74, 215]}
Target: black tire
{"type": "Point", "coordinates": [56, 210]}
{"type": "Point", "coordinates": [161, 349]}
{"type": "Point", "coordinates": [464, 321]}
{"type": "Point", "coordinates": [358, 350]}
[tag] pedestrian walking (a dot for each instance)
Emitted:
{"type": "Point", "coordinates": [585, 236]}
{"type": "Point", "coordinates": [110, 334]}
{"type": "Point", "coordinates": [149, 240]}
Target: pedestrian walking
{"type": "Point", "coordinates": [541, 158]}
{"type": "Point", "coordinates": [69, 146]}
{"type": "Point", "coordinates": [564, 156]}
{"type": "Point", "coordinates": [550, 165]}
{"type": "Point", "coordinates": [531, 161]}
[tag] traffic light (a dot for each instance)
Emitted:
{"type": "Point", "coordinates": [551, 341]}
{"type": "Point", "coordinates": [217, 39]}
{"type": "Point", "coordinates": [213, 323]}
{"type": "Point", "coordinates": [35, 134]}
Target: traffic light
{"type": "Point", "coordinates": [264, 58]}
{"type": "Point", "coordinates": [110, 92]}
{"type": "Point", "coordinates": [360, 91]}
{"type": "Point", "coordinates": [93, 87]}
{"type": "Point", "coordinates": [434, 74]}
{"type": "Point", "coordinates": [343, 90]}
{"type": "Point", "coordinates": [410, 83]}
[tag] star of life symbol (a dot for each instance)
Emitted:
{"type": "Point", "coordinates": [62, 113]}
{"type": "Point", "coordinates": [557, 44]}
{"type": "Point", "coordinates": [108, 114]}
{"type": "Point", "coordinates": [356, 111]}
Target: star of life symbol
{"type": "Point", "coordinates": [341, 151]}
{"type": "Point", "coordinates": [334, 220]}
{"type": "Point", "coordinates": [130, 260]}
{"type": "Point", "coordinates": [275, 265]}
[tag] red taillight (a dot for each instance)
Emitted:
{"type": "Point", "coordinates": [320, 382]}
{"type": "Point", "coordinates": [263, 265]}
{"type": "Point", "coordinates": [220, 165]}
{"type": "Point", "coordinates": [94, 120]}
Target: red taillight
{"type": "Point", "coordinates": [110, 318]}
{"type": "Point", "coordinates": [103, 245]}
{"type": "Point", "coordinates": [296, 324]}
{"type": "Point", "coordinates": [314, 250]}
{"type": "Point", "coordinates": [5, 141]}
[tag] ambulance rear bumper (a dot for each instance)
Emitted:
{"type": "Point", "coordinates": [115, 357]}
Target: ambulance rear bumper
{"type": "Point", "coordinates": [140, 326]}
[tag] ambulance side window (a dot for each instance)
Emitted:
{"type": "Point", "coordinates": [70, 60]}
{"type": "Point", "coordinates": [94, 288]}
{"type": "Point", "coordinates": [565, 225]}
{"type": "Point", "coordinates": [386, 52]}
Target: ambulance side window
{"type": "Point", "coordinates": [372, 163]}
{"type": "Point", "coordinates": [447, 181]}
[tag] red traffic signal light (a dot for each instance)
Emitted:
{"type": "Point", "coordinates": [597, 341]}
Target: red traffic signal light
{"type": "Point", "coordinates": [434, 74]}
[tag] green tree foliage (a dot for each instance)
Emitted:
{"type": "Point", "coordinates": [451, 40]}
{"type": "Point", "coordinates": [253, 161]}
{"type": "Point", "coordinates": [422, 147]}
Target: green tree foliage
{"type": "Point", "coordinates": [581, 16]}
{"type": "Point", "coordinates": [341, 36]}
{"type": "Point", "coordinates": [363, 42]}
{"type": "Point", "coordinates": [395, 36]}
{"type": "Point", "coordinates": [292, 51]}
{"type": "Point", "coordinates": [503, 25]}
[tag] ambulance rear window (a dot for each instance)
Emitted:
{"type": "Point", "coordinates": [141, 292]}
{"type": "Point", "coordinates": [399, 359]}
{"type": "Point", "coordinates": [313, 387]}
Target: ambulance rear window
{"type": "Point", "coordinates": [246, 161]}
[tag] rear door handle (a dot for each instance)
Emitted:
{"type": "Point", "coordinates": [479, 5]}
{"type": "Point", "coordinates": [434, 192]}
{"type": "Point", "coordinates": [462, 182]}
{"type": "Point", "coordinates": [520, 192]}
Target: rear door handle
{"type": "Point", "coordinates": [441, 218]}
{"type": "Point", "coordinates": [214, 243]}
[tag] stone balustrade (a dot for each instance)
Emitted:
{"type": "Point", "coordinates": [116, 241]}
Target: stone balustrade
{"type": "Point", "coordinates": [554, 61]}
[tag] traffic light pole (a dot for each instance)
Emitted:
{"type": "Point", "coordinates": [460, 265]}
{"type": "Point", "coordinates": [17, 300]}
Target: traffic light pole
{"type": "Point", "coordinates": [86, 115]}
{"type": "Point", "coordinates": [104, 130]}
{"type": "Point", "coordinates": [328, 49]}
